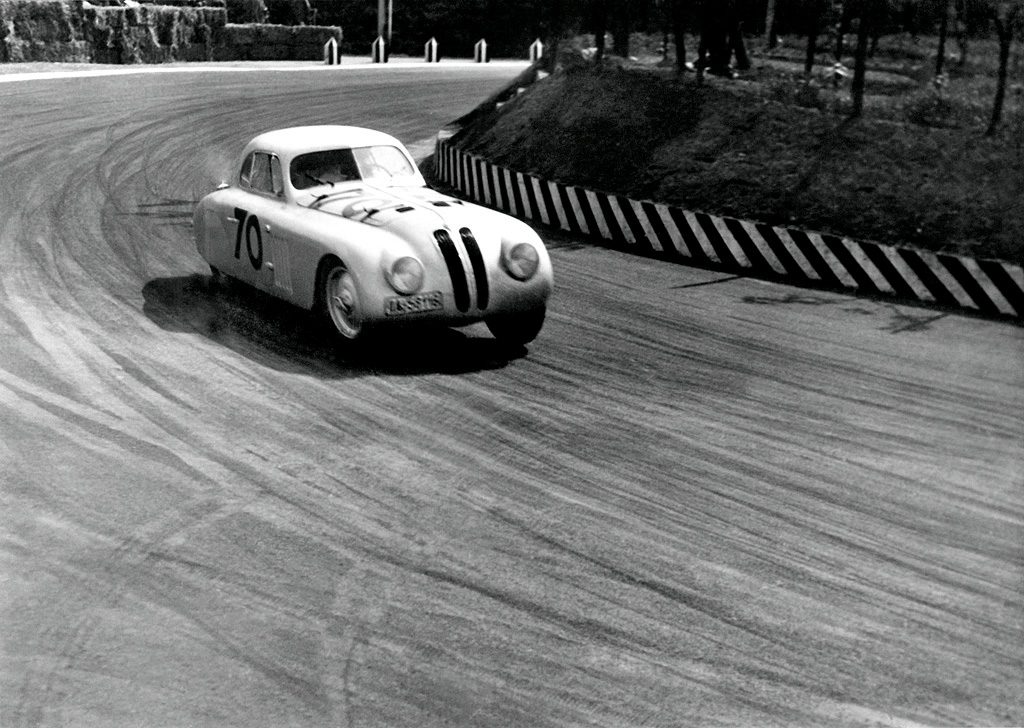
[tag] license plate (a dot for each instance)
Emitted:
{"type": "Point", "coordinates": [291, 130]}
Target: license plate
{"type": "Point", "coordinates": [413, 304]}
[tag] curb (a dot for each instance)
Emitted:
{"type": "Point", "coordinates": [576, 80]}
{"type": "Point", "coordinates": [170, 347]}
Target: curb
{"type": "Point", "coordinates": [988, 287]}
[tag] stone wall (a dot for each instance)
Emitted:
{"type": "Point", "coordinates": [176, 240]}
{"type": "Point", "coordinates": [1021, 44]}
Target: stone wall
{"type": "Point", "coordinates": [254, 42]}
{"type": "Point", "coordinates": [152, 33]}
{"type": "Point", "coordinates": [107, 31]}
{"type": "Point", "coordinates": [41, 30]}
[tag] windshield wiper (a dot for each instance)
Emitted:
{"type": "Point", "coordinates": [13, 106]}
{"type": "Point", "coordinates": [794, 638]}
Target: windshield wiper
{"type": "Point", "coordinates": [317, 179]}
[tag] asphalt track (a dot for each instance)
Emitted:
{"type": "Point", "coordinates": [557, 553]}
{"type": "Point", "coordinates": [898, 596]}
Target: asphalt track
{"type": "Point", "coordinates": [695, 500]}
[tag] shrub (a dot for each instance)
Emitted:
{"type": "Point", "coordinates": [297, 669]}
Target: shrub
{"type": "Point", "coordinates": [941, 111]}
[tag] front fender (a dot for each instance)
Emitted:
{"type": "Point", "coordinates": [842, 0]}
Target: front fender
{"type": "Point", "coordinates": [311, 237]}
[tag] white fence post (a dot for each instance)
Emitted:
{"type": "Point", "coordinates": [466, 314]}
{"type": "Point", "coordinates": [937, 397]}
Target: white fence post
{"type": "Point", "coordinates": [480, 52]}
{"type": "Point", "coordinates": [430, 51]}
{"type": "Point", "coordinates": [379, 50]}
{"type": "Point", "coordinates": [536, 51]}
{"type": "Point", "coordinates": [331, 56]}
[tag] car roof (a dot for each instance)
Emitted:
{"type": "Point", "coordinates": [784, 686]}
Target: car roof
{"type": "Point", "coordinates": [301, 139]}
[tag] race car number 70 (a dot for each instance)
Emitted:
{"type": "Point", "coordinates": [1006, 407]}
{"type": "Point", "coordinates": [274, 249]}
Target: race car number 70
{"type": "Point", "coordinates": [247, 223]}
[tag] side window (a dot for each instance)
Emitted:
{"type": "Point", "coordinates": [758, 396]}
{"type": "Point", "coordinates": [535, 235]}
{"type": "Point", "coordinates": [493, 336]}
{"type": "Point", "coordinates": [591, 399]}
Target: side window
{"type": "Point", "coordinates": [246, 174]}
{"type": "Point", "coordinates": [261, 179]}
{"type": "Point", "coordinates": [276, 176]}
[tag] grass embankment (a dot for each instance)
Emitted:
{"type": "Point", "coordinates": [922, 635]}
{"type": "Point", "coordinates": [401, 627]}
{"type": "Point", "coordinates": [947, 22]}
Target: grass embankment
{"type": "Point", "coordinates": [915, 170]}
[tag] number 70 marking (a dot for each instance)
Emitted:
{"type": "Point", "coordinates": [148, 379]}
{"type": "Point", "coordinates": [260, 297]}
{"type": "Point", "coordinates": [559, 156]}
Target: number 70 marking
{"type": "Point", "coordinates": [246, 224]}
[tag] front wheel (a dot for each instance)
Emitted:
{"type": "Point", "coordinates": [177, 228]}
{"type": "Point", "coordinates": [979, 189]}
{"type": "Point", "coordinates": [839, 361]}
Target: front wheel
{"type": "Point", "coordinates": [338, 302]}
{"type": "Point", "coordinates": [517, 328]}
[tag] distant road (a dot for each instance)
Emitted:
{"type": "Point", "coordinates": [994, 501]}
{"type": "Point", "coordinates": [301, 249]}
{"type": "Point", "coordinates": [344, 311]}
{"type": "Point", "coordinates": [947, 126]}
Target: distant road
{"type": "Point", "coordinates": [12, 72]}
{"type": "Point", "coordinates": [696, 499]}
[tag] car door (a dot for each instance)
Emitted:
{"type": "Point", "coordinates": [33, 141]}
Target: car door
{"type": "Point", "coordinates": [253, 225]}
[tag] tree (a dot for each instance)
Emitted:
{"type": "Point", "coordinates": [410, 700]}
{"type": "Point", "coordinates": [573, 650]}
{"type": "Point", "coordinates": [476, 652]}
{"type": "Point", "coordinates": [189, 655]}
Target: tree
{"type": "Point", "coordinates": [714, 51]}
{"type": "Point", "coordinates": [940, 58]}
{"type": "Point", "coordinates": [556, 28]}
{"type": "Point", "coordinates": [600, 22]}
{"type": "Point", "coordinates": [770, 38]}
{"type": "Point", "coordinates": [842, 28]}
{"type": "Point", "coordinates": [677, 12]}
{"type": "Point", "coordinates": [622, 24]}
{"type": "Point", "coordinates": [861, 58]}
{"type": "Point", "coordinates": [1006, 16]}
{"type": "Point", "coordinates": [813, 19]}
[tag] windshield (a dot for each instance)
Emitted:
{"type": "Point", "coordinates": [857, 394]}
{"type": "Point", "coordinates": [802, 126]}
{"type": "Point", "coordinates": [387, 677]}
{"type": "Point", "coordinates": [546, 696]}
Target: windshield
{"type": "Point", "coordinates": [323, 168]}
{"type": "Point", "coordinates": [343, 165]}
{"type": "Point", "coordinates": [378, 162]}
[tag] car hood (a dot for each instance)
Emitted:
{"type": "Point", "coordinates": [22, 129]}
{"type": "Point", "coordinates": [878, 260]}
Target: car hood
{"type": "Point", "coordinates": [405, 211]}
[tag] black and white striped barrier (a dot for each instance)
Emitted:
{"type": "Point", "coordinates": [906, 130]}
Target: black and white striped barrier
{"type": "Point", "coordinates": [990, 287]}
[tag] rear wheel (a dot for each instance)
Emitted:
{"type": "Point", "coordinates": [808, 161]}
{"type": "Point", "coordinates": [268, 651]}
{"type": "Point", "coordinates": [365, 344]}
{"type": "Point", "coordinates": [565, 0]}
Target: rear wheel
{"type": "Point", "coordinates": [517, 328]}
{"type": "Point", "coordinates": [338, 301]}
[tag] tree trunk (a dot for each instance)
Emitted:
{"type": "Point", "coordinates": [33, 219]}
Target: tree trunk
{"type": "Point", "coordinates": [737, 46]}
{"type": "Point", "coordinates": [842, 29]}
{"type": "Point", "coordinates": [621, 18]}
{"type": "Point", "coordinates": [940, 58]}
{"type": "Point", "coordinates": [961, 31]}
{"type": "Point", "coordinates": [679, 33]}
{"type": "Point", "coordinates": [861, 59]}
{"type": "Point", "coordinates": [600, 27]}
{"type": "Point", "coordinates": [1004, 27]}
{"type": "Point", "coordinates": [813, 18]}
{"type": "Point", "coordinates": [714, 38]}
{"type": "Point", "coordinates": [555, 31]}
{"type": "Point", "coordinates": [770, 39]}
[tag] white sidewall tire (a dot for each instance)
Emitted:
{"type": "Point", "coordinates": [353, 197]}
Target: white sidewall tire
{"type": "Point", "coordinates": [340, 302]}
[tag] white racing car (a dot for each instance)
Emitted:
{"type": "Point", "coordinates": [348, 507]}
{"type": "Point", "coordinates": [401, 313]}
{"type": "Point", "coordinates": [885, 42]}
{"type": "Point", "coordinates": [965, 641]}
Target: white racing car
{"type": "Point", "coordinates": [339, 220]}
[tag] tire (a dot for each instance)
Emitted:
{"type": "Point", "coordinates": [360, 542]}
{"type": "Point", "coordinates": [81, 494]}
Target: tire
{"type": "Point", "coordinates": [517, 329]}
{"type": "Point", "coordinates": [338, 302]}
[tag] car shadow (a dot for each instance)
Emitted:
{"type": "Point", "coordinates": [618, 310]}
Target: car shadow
{"type": "Point", "coordinates": [283, 337]}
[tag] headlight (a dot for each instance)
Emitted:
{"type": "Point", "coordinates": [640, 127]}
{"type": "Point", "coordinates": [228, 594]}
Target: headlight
{"type": "Point", "coordinates": [521, 261]}
{"type": "Point", "coordinates": [406, 275]}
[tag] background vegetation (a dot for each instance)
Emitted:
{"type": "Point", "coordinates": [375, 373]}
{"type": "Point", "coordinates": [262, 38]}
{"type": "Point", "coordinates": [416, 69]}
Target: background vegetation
{"type": "Point", "coordinates": [766, 149]}
{"type": "Point", "coordinates": [917, 167]}
{"type": "Point", "coordinates": [899, 121]}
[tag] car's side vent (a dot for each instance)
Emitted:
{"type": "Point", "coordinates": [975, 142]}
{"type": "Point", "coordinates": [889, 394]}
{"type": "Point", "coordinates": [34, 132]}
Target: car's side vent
{"type": "Point", "coordinates": [479, 269]}
{"type": "Point", "coordinates": [405, 208]}
{"type": "Point", "coordinates": [460, 287]}
{"type": "Point", "coordinates": [439, 203]}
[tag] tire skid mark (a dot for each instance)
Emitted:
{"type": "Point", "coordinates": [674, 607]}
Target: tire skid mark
{"type": "Point", "coordinates": [43, 705]}
{"type": "Point", "coordinates": [112, 584]}
{"type": "Point", "coordinates": [151, 383]}
{"type": "Point", "coordinates": [689, 598]}
{"type": "Point", "coordinates": [112, 435]}
{"type": "Point", "coordinates": [583, 627]}
{"type": "Point", "coordinates": [845, 539]}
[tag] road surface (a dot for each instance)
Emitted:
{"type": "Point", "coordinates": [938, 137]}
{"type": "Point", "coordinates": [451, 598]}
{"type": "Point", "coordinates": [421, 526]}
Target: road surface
{"type": "Point", "coordinates": [695, 500]}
